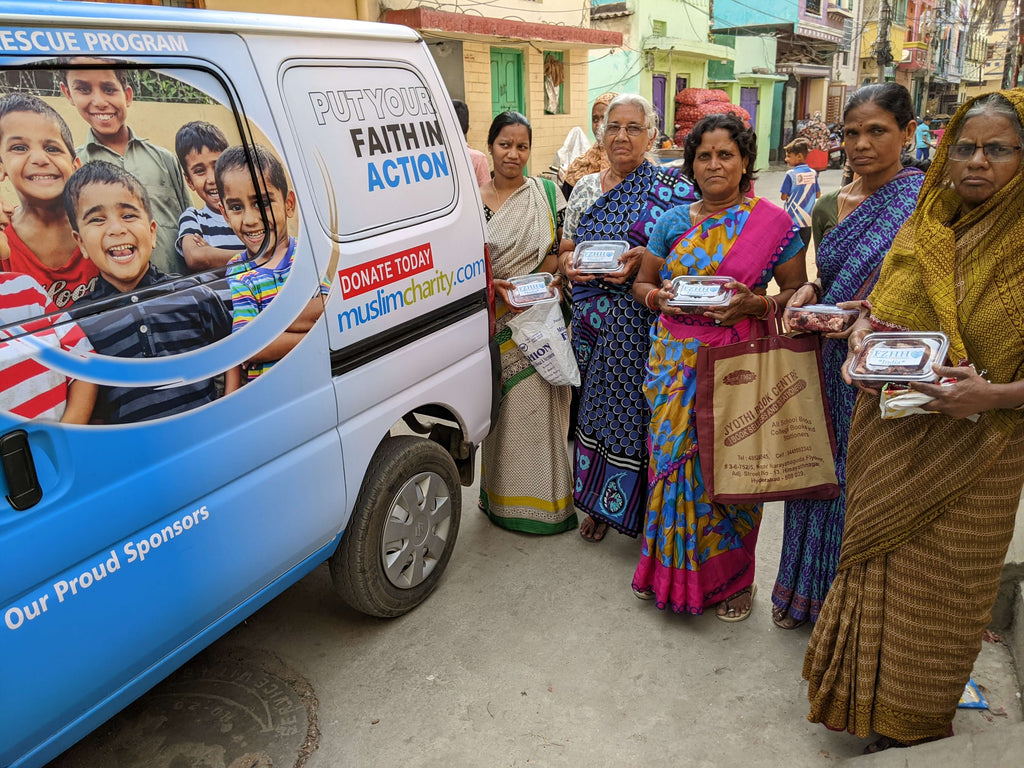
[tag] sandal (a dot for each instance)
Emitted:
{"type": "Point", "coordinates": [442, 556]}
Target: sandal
{"type": "Point", "coordinates": [883, 743]}
{"type": "Point", "coordinates": [592, 530]}
{"type": "Point", "coordinates": [644, 594]}
{"type": "Point", "coordinates": [782, 619]}
{"type": "Point", "coordinates": [731, 614]}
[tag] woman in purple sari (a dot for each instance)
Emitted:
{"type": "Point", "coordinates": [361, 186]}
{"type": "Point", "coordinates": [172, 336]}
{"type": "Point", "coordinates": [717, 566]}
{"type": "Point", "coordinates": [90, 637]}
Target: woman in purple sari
{"type": "Point", "coordinates": [852, 229]}
{"type": "Point", "coordinates": [610, 329]}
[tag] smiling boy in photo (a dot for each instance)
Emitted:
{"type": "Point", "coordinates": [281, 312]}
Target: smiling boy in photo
{"type": "Point", "coordinates": [204, 238]}
{"type": "Point", "coordinates": [254, 284]}
{"type": "Point", "coordinates": [103, 98]}
{"type": "Point", "coordinates": [110, 212]}
{"type": "Point", "coordinates": [37, 155]}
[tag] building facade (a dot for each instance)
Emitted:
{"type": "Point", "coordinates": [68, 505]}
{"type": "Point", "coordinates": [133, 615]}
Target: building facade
{"type": "Point", "coordinates": [809, 34]}
{"type": "Point", "coordinates": [665, 48]}
{"type": "Point", "coordinates": [528, 55]}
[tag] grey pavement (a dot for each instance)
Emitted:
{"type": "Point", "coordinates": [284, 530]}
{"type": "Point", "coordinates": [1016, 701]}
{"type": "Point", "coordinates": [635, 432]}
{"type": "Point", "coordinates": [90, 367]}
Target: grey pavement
{"type": "Point", "coordinates": [534, 651]}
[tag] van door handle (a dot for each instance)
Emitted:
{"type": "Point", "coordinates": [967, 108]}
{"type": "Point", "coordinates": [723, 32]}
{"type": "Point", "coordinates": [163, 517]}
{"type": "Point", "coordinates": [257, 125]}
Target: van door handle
{"type": "Point", "coordinates": [23, 489]}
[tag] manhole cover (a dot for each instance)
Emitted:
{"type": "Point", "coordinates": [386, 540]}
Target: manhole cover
{"type": "Point", "coordinates": [228, 708]}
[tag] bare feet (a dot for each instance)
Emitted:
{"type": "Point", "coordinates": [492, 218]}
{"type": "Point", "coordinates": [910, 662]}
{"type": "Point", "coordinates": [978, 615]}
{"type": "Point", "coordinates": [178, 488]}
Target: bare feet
{"type": "Point", "coordinates": [592, 530]}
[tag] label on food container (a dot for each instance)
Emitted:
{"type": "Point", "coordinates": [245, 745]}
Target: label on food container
{"type": "Point", "coordinates": [698, 290]}
{"type": "Point", "coordinates": [597, 257]}
{"type": "Point", "coordinates": [532, 288]}
{"type": "Point", "coordinates": [883, 357]}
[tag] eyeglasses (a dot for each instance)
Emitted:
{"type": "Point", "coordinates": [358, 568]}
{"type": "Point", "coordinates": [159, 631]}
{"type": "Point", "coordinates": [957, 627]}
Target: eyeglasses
{"type": "Point", "coordinates": [632, 130]}
{"type": "Point", "coordinates": [994, 153]}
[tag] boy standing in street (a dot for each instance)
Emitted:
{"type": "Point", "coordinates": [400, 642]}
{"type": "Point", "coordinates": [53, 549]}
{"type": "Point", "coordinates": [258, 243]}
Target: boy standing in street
{"type": "Point", "coordinates": [102, 97]}
{"type": "Point", "coordinates": [923, 138]}
{"type": "Point", "coordinates": [800, 187]}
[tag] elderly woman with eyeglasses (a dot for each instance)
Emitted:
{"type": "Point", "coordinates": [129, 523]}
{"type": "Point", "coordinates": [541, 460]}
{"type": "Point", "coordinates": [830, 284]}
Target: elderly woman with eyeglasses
{"type": "Point", "coordinates": [931, 498]}
{"type": "Point", "coordinates": [609, 329]}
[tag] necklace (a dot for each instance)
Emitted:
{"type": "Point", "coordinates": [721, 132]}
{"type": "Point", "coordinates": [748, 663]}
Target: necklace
{"type": "Point", "coordinates": [605, 175]}
{"type": "Point", "coordinates": [501, 200]}
{"type": "Point", "coordinates": [703, 212]}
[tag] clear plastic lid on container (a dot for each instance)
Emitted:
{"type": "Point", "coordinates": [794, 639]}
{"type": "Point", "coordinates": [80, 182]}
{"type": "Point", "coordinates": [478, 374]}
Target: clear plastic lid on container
{"type": "Point", "coordinates": [535, 288]}
{"type": "Point", "coordinates": [598, 257]}
{"type": "Point", "coordinates": [819, 318]}
{"type": "Point", "coordinates": [700, 294]}
{"type": "Point", "coordinates": [899, 356]}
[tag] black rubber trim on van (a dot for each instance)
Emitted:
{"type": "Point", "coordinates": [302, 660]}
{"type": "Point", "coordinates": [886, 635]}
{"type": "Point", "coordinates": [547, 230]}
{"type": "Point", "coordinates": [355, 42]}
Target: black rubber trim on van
{"type": "Point", "coordinates": [386, 342]}
{"type": "Point", "coordinates": [495, 381]}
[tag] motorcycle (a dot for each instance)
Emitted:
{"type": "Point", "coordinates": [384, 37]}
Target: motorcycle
{"type": "Point", "coordinates": [836, 151]}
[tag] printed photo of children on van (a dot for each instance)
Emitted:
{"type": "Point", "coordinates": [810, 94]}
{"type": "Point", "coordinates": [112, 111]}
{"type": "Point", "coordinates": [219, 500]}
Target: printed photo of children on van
{"type": "Point", "coordinates": [113, 222]}
{"type": "Point", "coordinates": [133, 259]}
{"type": "Point", "coordinates": [260, 220]}
{"type": "Point", "coordinates": [37, 156]}
{"type": "Point", "coordinates": [103, 98]}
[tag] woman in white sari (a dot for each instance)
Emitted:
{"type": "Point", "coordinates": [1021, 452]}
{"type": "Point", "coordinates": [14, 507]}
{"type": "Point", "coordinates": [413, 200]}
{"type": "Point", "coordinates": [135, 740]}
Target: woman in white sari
{"type": "Point", "coordinates": [526, 482]}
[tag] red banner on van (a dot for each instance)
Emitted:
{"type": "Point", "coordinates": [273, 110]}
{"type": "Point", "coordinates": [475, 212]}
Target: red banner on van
{"type": "Point", "coordinates": [389, 269]}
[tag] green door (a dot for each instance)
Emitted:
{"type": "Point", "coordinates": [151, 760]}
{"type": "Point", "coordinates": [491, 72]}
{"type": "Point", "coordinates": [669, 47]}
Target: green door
{"type": "Point", "coordinates": [506, 81]}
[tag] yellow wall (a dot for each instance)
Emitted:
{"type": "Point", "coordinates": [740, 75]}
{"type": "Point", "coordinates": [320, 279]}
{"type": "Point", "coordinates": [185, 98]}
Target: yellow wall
{"type": "Point", "coordinates": [476, 63]}
{"type": "Point", "coordinates": [817, 95]}
{"type": "Point", "coordinates": [549, 131]}
{"type": "Point", "coordinates": [337, 9]}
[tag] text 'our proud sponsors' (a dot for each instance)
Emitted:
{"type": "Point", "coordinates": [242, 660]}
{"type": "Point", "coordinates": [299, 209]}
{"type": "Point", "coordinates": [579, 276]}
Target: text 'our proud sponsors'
{"type": "Point", "coordinates": [91, 576]}
{"type": "Point", "coordinates": [401, 141]}
{"type": "Point", "coordinates": [415, 265]}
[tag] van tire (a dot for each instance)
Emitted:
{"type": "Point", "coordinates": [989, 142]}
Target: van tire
{"type": "Point", "coordinates": [408, 480]}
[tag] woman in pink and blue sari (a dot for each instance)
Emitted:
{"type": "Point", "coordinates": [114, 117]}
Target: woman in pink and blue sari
{"type": "Point", "coordinates": [697, 553]}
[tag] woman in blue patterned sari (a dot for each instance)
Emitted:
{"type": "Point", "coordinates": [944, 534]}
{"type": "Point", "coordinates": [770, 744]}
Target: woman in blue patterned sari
{"type": "Point", "coordinates": [610, 331]}
{"type": "Point", "coordinates": [853, 229]}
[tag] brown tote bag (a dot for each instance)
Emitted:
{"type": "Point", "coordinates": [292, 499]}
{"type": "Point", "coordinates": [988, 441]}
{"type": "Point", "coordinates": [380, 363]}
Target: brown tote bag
{"type": "Point", "coordinates": [763, 428]}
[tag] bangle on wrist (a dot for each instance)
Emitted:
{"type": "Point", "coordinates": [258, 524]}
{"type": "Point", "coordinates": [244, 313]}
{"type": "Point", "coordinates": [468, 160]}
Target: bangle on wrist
{"type": "Point", "coordinates": [814, 287]}
{"type": "Point", "coordinates": [767, 307]}
{"type": "Point", "coordinates": [647, 299]}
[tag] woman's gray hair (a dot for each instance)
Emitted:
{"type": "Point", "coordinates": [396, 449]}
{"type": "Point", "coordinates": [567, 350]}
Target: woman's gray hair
{"type": "Point", "coordinates": [996, 105]}
{"type": "Point", "coordinates": [632, 100]}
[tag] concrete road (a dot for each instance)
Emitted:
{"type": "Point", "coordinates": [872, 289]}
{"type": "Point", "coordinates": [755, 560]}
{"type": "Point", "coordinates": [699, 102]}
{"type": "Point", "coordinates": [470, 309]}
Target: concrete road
{"type": "Point", "coordinates": [533, 651]}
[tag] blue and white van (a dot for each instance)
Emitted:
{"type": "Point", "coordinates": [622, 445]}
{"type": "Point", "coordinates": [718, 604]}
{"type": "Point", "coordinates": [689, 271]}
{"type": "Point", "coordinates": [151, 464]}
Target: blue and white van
{"type": "Point", "coordinates": [128, 546]}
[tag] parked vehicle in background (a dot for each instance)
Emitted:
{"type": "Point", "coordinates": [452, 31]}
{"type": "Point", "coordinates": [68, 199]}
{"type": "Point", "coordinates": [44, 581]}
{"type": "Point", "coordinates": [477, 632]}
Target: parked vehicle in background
{"type": "Point", "coordinates": [836, 150]}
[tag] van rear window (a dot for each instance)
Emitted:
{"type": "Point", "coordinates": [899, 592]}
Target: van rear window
{"type": "Point", "coordinates": [373, 135]}
{"type": "Point", "coordinates": [134, 225]}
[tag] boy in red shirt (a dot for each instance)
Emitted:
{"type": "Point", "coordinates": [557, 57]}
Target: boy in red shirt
{"type": "Point", "coordinates": [37, 154]}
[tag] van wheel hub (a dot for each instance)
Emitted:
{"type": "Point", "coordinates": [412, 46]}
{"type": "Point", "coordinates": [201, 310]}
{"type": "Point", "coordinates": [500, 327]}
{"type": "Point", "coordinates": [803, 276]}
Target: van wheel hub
{"type": "Point", "coordinates": [416, 531]}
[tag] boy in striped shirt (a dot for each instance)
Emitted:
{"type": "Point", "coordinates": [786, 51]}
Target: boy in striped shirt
{"type": "Point", "coordinates": [205, 240]}
{"type": "Point", "coordinates": [137, 311]}
{"type": "Point", "coordinates": [254, 286]}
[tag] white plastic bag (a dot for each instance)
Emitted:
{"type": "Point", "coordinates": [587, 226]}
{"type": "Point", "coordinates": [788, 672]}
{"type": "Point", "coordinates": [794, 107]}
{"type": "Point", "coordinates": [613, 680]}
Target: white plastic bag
{"type": "Point", "coordinates": [541, 334]}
